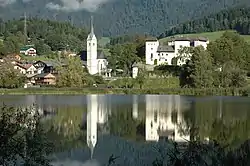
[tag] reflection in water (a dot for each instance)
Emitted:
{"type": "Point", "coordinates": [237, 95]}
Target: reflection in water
{"type": "Point", "coordinates": [92, 117]}
{"type": "Point", "coordinates": [159, 119]}
{"type": "Point", "coordinates": [121, 124]}
{"type": "Point", "coordinates": [97, 114]}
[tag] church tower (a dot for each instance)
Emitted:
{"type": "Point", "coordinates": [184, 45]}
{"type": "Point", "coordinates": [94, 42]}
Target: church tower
{"type": "Point", "coordinates": [92, 51]}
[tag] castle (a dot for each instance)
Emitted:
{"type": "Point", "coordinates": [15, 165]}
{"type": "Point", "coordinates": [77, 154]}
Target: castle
{"type": "Point", "coordinates": [157, 53]}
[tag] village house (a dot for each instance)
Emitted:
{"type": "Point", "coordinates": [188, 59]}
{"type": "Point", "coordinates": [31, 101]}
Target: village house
{"type": "Point", "coordinates": [28, 50]}
{"type": "Point", "coordinates": [27, 69]}
{"type": "Point", "coordinates": [45, 79]}
{"type": "Point", "coordinates": [158, 53]}
{"type": "Point", "coordinates": [46, 66]}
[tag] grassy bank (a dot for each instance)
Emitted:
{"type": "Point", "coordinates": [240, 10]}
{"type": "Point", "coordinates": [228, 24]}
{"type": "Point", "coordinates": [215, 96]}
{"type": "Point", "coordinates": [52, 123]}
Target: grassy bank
{"type": "Point", "coordinates": [210, 35]}
{"type": "Point", "coordinates": [84, 91]}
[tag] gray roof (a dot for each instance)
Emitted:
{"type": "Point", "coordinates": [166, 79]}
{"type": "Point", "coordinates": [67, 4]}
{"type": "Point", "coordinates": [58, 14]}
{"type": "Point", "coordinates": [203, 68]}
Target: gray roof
{"type": "Point", "coordinates": [165, 48]}
{"type": "Point", "coordinates": [151, 39]}
{"type": "Point", "coordinates": [191, 39]}
{"type": "Point", "coordinates": [100, 55]}
{"type": "Point", "coordinates": [49, 63]}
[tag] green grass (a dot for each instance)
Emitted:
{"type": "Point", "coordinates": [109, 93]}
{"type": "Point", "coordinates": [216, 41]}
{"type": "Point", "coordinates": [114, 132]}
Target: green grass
{"type": "Point", "coordinates": [210, 35]}
{"type": "Point", "coordinates": [104, 41]}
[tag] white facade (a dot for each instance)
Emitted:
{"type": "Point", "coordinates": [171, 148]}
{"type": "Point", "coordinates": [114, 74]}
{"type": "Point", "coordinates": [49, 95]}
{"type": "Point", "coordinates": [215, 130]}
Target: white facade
{"type": "Point", "coordinates": [92, 52]}
{"type": "Point", "coordinates": [135, 71]}
{"type": "Point", "coordinates": [158, 117]}
{"type": "Point", "coordinates": [30, 52]}
{"type": "Point", "coordinates": [157, 54]}
{"type": "Point", "coordinates": [96, 61]}
{"type": "Point", "coordinates": [27, 69]}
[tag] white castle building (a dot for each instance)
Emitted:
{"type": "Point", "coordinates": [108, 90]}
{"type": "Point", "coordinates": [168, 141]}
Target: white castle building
{"type": "Point", "coordinates": [157, 53]}
{"type": "Point", "coordinates": [95, 60]}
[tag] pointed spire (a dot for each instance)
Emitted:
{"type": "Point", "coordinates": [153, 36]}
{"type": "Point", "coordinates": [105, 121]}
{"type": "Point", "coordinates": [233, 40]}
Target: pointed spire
{"type": "Point", "coordinates": [91, 152]}
{"type": "Point", "coordinates": [92, 25]}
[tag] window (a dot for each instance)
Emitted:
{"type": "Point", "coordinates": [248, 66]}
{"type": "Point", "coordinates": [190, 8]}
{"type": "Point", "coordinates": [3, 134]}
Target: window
{"type": "Point", "coordinates": [151, 48]}
{"type": "Point", "coordinates": [101, 66]}
{"type": "Point", "coordinates": [89, 44]}
{"type": "Point", "coordinates": [93, 44]}
{"type": "Point", "coordinates": [151, 56]}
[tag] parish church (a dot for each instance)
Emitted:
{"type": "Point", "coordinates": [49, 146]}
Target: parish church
{"type": "Point", "coordinates": [95, 60]}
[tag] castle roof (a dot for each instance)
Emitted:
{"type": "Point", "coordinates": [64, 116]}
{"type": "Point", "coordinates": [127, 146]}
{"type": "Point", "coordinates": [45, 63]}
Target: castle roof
{"type": "Point", "coordinates": [191, 39]}
{"type": "Point", "coordinates": [151, 39]}
{"type": "Point", "coordinates": [165, 48]}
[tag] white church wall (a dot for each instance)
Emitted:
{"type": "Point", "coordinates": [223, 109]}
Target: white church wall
{"type": "Point", "coordinates": [102, 65]}
{"type": "Point", "coordinates": [92, 54]}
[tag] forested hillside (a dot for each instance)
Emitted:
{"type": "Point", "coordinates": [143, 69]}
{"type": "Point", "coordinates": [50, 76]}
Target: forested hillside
{"type": "Point", "coordinates": [119, 17]}
{"type": "Point", "coordinates": [235, 19]}
{"type": "Point", "coordinates": [46, 35]}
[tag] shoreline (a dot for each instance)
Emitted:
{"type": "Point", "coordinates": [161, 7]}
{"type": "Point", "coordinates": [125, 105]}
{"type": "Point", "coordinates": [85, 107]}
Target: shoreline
{"type": "Point", "coordinates": [120, 91]}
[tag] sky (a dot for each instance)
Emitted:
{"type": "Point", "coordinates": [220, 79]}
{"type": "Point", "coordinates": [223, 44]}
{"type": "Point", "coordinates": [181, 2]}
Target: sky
{"type": "Point", "coordinates": [66, 5]}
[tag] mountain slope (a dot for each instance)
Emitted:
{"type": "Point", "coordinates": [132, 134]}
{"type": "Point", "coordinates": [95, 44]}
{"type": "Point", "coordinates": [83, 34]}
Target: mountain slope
{"type": "Point", "coordinates": [119, 17]}
{"type": "Point", "coordinates": [234, 19]}
{"type": "Point", "coordinates": [210, 35]}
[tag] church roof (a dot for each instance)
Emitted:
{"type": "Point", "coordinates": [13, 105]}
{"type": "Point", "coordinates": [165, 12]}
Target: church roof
{"type": "Point", "coordinates": [100, 55]}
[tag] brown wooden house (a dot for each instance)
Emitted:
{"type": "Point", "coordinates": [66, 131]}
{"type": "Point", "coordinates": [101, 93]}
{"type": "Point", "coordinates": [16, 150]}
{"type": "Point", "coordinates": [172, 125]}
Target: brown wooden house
{"type": "Point", "coordinates": [45, 79]}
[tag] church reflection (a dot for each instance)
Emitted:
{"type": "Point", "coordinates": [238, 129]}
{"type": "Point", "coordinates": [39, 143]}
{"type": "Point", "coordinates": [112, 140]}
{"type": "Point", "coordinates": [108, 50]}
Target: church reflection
{"type": "Point", "coordinates": [97, 117]}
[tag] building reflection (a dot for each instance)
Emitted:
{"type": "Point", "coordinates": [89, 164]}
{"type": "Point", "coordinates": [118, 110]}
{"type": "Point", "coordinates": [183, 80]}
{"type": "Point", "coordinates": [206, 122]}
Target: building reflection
{"type": "Point", "coordinates": [97, 115]}
{"type": "Point", "coordinates": [163, 115]}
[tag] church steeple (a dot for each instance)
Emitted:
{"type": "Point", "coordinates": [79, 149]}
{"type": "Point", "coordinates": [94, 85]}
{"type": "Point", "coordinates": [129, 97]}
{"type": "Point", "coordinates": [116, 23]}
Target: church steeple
{"type": "Point", "coordinates": [92, 25]}
{"type": "Point", "coordinates": [92, 34]}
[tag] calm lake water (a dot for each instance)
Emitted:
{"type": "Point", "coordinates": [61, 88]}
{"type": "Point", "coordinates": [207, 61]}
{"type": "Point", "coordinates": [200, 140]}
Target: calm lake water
{"type": "Point", "coordinates": [134, 126]}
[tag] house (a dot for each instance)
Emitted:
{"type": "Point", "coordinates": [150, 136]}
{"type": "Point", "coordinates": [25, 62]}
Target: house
{"type": "Point", "coordinates": [158, 53]}
{"type": "Point", "coordinates": [27, 69]}
{"type": "Point", "coordinates": [95, 61]}
{"type": "Point", "coordinates": [28, 50]}
{"type": "Point", "coordinates": [46, 66]}
{"type": "Point", "coordinates": [45, 79]}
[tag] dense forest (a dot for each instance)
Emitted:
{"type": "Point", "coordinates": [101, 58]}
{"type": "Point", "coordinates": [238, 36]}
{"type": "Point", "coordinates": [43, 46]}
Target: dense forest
{"type": "Point", "coordinates": [47, 36]}
{"type": "Point", "coordinates": [236, 19]}
{"type": "Point", "coordinates": [118, 17]}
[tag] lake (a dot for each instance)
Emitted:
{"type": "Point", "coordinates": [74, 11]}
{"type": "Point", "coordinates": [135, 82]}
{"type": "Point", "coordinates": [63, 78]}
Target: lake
{"type": "Point", "coordinates": [134, 126]}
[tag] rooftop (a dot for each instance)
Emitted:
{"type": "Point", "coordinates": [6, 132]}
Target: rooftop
{"type": "Point", "coordinates": [165, 48]}
{"type": "Point", "coordinates": [100, 55]}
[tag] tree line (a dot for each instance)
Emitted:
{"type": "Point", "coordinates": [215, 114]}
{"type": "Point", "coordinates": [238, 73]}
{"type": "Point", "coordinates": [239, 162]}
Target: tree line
{"type": "Point", "coordinates": [47, 36]}
{"type": "Point", "coordinates": [235, 19]}
{"type": "Point", "coordinates": [225, 63]}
